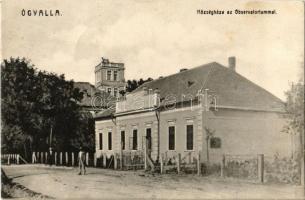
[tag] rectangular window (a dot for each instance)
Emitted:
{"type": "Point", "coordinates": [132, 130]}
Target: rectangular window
{"type": "Point", "coordinates": [109, 140]}
{"type": "Point", "coordinates": [189, 137]}
{"type": "Point", "coordinates": [115, 92]}
{"type": "Point", "coordinates": [123, 139]}
{"type": "Point", "coordinates": [171, 138]}
{"type": "Point", "coordinates": [148, 138]}
{"type": "Point", "coordinates": [115, 75]}
{"type": "Point", "coordinates": [109, 90]}
{"type": "Point", "coordinates": [135, 139]}
{"type": "Point", "coordinates": [108, 75]}
{"type": "Point", "coordinates": [101, 141]}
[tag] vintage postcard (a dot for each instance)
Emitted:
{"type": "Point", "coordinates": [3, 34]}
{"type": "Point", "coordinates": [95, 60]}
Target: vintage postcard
{"type": "Point", "coordinates": [143, 99]}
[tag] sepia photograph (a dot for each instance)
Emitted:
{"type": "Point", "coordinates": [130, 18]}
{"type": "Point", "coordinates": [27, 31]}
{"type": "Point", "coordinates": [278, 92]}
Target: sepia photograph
{"type": "Point", "coordinates": [152, 99]}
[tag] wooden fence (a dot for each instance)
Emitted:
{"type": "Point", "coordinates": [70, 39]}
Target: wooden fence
{"type": "Point", "coordinates": [12, 159]}
{"type": "Point", "coordinates": [189, 162]}
{"type": "Point", "coordinates": [239, 166]}
{"type": "Point", "coordinates": [125, 161]}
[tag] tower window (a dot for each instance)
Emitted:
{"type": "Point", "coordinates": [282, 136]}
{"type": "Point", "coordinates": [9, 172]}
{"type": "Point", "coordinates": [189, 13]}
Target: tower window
{"type": "Point", "coordinates": [115, 92]}
{"type": "Point", "coordinates": [109, 90]}
{"type": "Point", "coordinates": [108, 75]}
{"type": "Point", "coordinates": [115, 75]}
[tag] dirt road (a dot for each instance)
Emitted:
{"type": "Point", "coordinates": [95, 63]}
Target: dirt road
{"type": "Point", "coordinates": [60, 182]}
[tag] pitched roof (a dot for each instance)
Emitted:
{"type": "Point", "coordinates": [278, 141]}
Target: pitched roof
{"type": "Point", "coordinates": [92, 97]}
{"type": "Point", "coordinates": [107, 113]}
{"type": "Point", "coordinates": [231, 89]}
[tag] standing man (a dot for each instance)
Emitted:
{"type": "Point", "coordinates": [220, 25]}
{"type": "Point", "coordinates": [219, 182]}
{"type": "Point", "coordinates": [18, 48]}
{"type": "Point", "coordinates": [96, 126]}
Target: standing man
{"type": "Point", "coordinates": [81, 161]}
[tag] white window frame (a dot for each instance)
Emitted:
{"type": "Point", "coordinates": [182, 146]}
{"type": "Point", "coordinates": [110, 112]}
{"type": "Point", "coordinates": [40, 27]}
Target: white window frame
{"type": "Point", "coordinates": [171, 123]}
{"type": "Point", "coordinates": [110, 75]}
{"type": "Point", "coordinates": [134, 128]}
{"type": "Point", "coordinates": [117, 75]}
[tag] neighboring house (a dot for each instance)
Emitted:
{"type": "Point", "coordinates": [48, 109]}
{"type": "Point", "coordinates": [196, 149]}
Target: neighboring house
{"type": "Point", "coordinates": [174, 113]}
{"type": "Point", "coordinates": [94, 100]}
{"type": "Point", "coordinates": [109, 77]}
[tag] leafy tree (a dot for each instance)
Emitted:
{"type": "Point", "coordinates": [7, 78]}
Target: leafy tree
{"type": "Point", "coordinates": [295, 109]}
{"type": "Point", "coordinates": [134, 84]}
{"type": "Point", "coordinates": [41, 109]}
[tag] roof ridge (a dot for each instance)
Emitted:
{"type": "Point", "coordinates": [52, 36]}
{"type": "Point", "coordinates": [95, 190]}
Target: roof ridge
{"type": "Point", "coordinates": [204, 65]}
{"type": "Point", "coordinates": [250, 81]}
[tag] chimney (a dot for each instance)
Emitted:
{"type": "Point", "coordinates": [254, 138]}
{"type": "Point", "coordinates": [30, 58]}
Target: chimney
{"type": "Point", "coordinates": [183, 69]}
{"type": "Point", "coordinates": [232, 63]}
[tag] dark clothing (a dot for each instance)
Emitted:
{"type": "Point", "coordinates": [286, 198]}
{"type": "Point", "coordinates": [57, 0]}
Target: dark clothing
{"type": "Point", "coordinates": [81, 162]}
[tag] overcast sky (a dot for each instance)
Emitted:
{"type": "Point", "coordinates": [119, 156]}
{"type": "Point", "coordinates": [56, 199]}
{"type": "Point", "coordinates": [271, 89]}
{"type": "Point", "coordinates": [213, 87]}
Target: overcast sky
{"type": "Point", "coordinates": [157, 38]}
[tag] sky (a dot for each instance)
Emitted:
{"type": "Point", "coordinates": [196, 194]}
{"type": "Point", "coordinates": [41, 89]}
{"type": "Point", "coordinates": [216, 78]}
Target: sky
{"type": "Point", "coordinates": [157, 38]}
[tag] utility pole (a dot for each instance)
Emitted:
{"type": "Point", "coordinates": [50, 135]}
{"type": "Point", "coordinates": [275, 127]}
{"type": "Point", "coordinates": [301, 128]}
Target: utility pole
{"type": "Point", "coordinates": [51, 135]}
{"type": "Point", "coordinates": [302, 158]}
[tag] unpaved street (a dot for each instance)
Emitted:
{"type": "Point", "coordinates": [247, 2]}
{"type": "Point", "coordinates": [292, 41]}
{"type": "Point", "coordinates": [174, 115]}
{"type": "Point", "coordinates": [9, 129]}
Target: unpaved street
{"type": "Point", "coordinates": [60, 182]}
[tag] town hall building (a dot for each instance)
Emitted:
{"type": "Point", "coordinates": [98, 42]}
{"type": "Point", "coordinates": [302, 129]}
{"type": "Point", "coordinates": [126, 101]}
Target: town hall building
{"type": "Point", "coordinates": [207, 108]}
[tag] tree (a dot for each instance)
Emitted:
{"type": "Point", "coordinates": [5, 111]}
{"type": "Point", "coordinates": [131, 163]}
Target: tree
{"type": "Point", "coordinates": [209, 135]}
{"type": "Point", "coordinates": [39, 108]}
{"type": "Point", "coordinates": [295, 110]}
{"type": "Point", "coordinates": [134, 84]}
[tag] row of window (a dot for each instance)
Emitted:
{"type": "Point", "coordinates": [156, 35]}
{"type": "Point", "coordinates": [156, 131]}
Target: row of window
{"type": "Point", "coordinates": [109, 75]}
{"type": "Point", "coordinates": [133, 139]}
{"type": "Point", "coordinates": [115, 91]}
{"type": "Point", "coordinates": [215, 142]}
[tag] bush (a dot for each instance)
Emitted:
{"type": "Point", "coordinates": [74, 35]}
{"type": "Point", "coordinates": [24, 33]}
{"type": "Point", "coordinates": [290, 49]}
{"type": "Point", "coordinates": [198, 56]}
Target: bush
{"type": "Point", "coordinates": [282, 170]}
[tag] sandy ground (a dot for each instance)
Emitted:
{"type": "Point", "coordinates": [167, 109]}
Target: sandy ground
{"type": "Point", "coordinates": [63, 182]}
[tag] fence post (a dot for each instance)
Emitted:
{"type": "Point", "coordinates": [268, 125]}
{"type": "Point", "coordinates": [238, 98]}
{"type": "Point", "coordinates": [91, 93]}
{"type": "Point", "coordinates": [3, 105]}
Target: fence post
{"type": "Point", "coordinates": [46, 158]}
{"type": "Point", "coordinates": [223, 165]}
{"type": "Point", "coordinates": [60, 158]}
{"type": "Point", "coordinates": [72, 159]}
{"type": "Point", "coordinates": [95, 159]}
{"type": "Point", "coordinates": [104, 160]}
{"type": "Point", "coordinates": [55, 158]}
{"type": "Point", "coordinates": [17, 159]}
{"type": "Point", "coordinates": [260, 162]}
{"type": "Point", "coordinates": [66, 158]}
{"type": "Point", "coordinates": [37, 157]}
{"type": "Point", "coordinates": [179, 163]}
{"type": "Point", "coordinates": [33, 157]}
{"type": "Point", "coordinates": [41, 157]}
{"type": "Point", "coordinates": [161, 164]}
{"type": "Point", "coordinates": [115, 161]}
{"type": "Point", "coordinates": [87, 159]}
{"type": "Point", "coordinates": [198, 163]}
{"type": "Point", "coordinates": [145, 155]}
{"type": "Point", "coordinates": [8, 159]}
{"type": "Point", "coordinates": [121, 156]}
